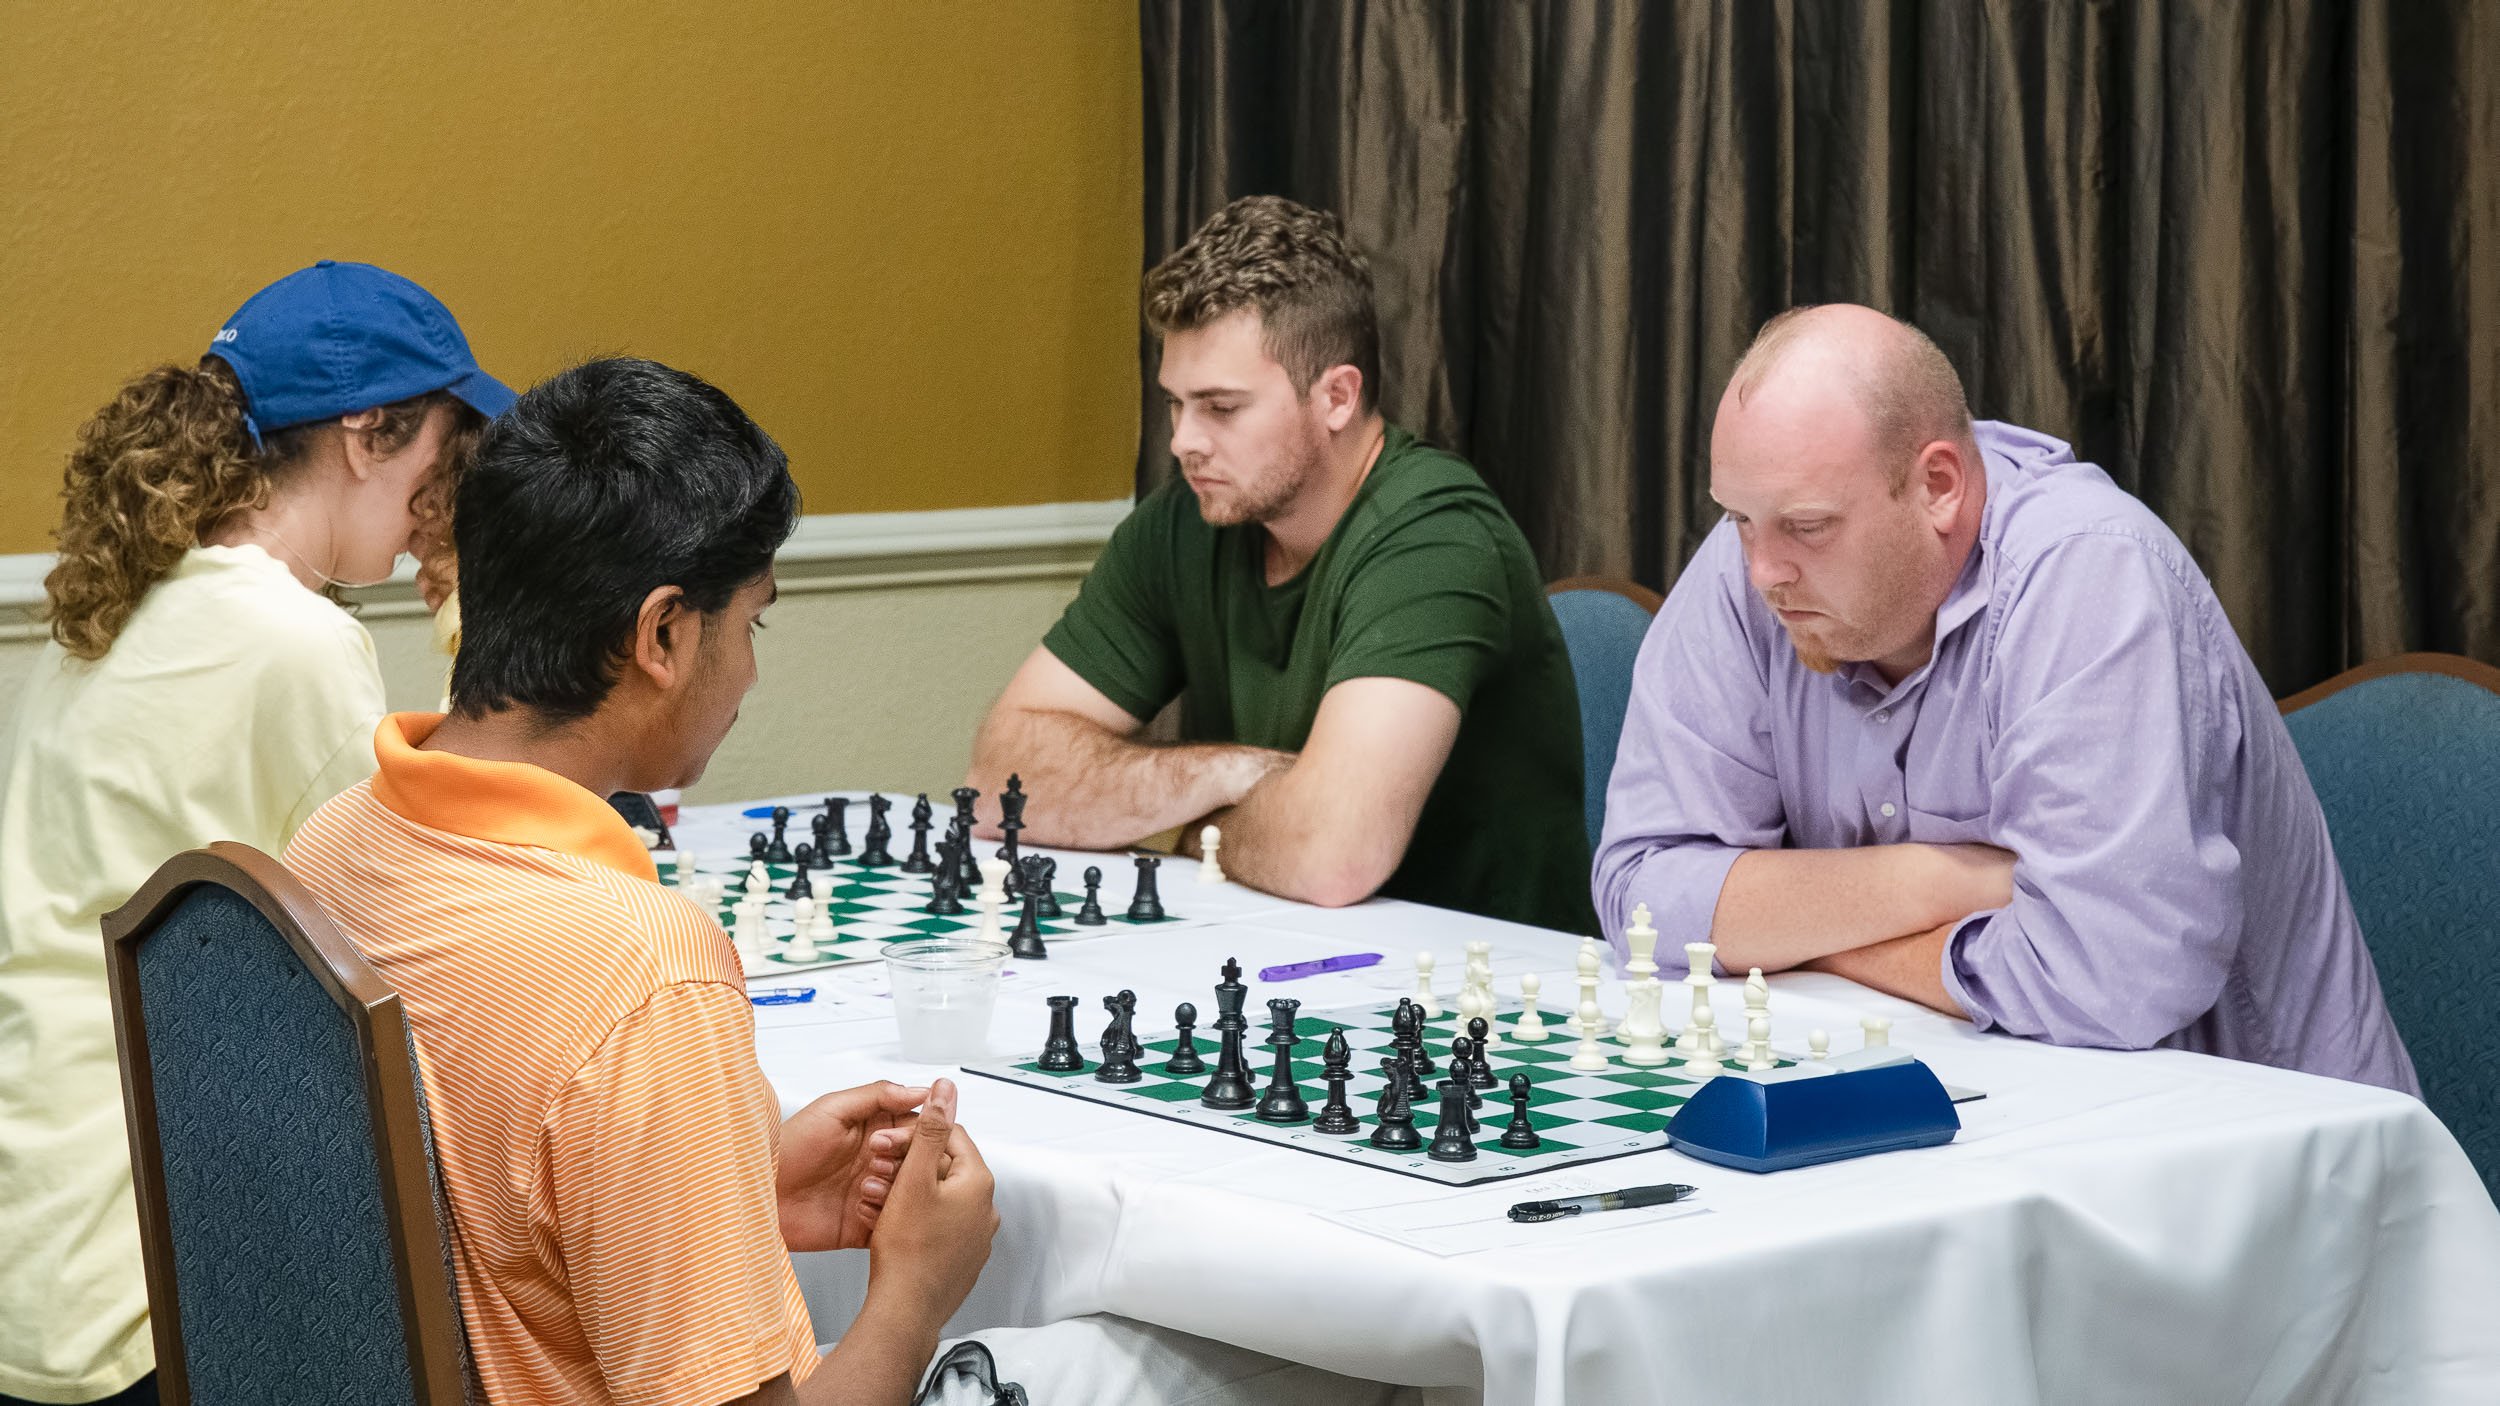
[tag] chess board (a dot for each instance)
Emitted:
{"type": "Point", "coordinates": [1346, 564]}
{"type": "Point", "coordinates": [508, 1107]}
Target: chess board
{"type": "Point", "coordinates": [871, 907]}
{"type": "Point", "coordinates": [1580, 1116]}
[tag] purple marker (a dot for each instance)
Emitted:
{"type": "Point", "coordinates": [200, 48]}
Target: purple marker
{"type": "Point", "coordinates": [1295, 970]}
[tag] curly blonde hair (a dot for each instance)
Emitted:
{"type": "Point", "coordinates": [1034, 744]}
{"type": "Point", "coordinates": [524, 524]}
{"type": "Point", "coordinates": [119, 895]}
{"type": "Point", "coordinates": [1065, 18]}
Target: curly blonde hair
{"type": "Point", "coordinates": [1293, 265]}
{"type": "Point", "coordinates": [167, 460]}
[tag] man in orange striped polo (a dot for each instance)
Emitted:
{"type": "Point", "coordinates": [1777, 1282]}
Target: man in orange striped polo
{"type": "Point", "coordinates": [623, 1194]}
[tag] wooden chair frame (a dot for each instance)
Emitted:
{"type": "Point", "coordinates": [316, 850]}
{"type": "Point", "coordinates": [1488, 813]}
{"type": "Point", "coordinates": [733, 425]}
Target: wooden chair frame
{"type": "Point", "coordinates": [1632, 591]}
{"type": "Point", "coordinates": [373, 1010]}
{"type": "Point", "coordinates": [2454, 665]}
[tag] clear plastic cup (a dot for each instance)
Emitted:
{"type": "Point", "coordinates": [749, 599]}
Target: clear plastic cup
{"type": "Point", "coordinates": [945, 990]}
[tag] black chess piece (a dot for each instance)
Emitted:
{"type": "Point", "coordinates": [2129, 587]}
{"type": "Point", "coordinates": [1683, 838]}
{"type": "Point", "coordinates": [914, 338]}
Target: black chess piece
{"type": "Point", "coordinates": [1450, 1142]}
{"type": "Point", "coordinates": [777, 851]}
{"type": "Point", "coordinates": [1046, 881]}
{"type": "Point", "coordinates": [1059, 1052]}
{"type": "Point", "coordinates": [945, 892]}
{"type": "Point", "coordinates": [965, 796]}
{"type": "Point", "coordinates": [1089, 914]}
{"type": "Point", "coordinates": [873, 853]}
{"type": "Point", "coordinates": [1480, 1069]}
{"type": "Point", "coordinates": [1011, 821]}
{"type": "Point", "coordinates": [1230, 1088]}
{"type": "Point", "coordinates": [837, 825]}
{"type": "Point", "coordinates": [1185, 1059]}
{"type": "Point", "coordinates": [1520, 1136]}
{"type": "Point", "coordinates": [1028, 880]}
{"type": "Point", "coordinates": [666, 840]}
{"type": "Point", "coordinates": [800, 889]}
{"type": "Point", "coordinates": [1282, 1103]}
{"type": "Point", "coordinates": [757, 843]}
{"type": "Point", "coordinates": [1119, 1044]}
{"type": "Point", "coordinates": [1026, 941]}
{"type": "Point", "coordinates": [1336, 1066]}
{"type": "Point", "coordinates": [1396, 1130]}
{"type": "Point", "coordinates": [918, 862]}
{"type": "Point", "coordinates": [1147, 905]}
{"type": "Point", "coordinates": [1413, 1048]}
{"type": "Point", "coordinates": [967, 868]}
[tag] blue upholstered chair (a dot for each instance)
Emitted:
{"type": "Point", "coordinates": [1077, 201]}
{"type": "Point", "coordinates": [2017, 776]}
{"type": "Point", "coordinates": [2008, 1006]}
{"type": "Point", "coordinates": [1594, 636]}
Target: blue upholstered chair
{"type": "Point", "coordinates": [2405, 756]}
{"type": "Point", "coordinates": [1603, 623]}
{"type": "Point", "coordinates": [292, 1226]}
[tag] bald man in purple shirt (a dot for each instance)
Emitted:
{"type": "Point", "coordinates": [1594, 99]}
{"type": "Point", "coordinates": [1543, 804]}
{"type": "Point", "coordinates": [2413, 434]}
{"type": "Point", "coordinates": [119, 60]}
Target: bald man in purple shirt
{"type": "Point", "coordinates": [1944, 711]}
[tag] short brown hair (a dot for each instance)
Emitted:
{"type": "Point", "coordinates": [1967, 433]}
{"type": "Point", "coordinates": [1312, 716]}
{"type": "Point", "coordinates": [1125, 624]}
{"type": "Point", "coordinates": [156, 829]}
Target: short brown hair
{"type": "Point", "coordinates": [1291, 264]}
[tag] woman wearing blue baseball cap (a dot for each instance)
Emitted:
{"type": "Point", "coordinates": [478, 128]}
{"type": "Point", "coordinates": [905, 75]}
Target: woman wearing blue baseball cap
{"type": "Point", "coordinates": [201, 684]}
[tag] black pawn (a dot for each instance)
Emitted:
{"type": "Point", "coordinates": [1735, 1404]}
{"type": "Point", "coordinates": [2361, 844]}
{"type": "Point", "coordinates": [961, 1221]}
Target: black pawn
{"type": "Point", "coordinates": [757, 844]}
{"type": "Point", "coordinates": [821, 826]}
{"type": "Point", "coordinates": [1119, 1047]}
{"type": "Point", "coordinates": [777, 850]}
{"type": "Point", "coordinates": [1147, 905]}
{"type": "Point", "coordinates": [1450, 1142]}
{"type": "Point", "coordinates": [1283, 1101]}
{"type": "Point", "coordinates": [1396, 1132]}
{"type": "Point", "coordinates": [1479, 1069]}
{"type": "Point", "coordinates": [1045, 882]}
{"type": "Point", "coordinates": [837, 827]}
{"type": "Point", "coordinates": [1059, 1053]}
{"type": "Point", "coordinates": [1026, 940]}
{"type": "Point", "coordinates": [919, 863]}
{"type": "Point", "coordinates": [1185, 1058]}
{"type": "Point", "coordinates": [1090, 914]}
{"type": "Point", "coordinates": [1520, 1136]}
{"type": "Point", "coordinates": [1336, 1060]}
{"type": "Point", "coordinates": [800, 888]}
{"type": "Point", "coordinates": [872, 851]}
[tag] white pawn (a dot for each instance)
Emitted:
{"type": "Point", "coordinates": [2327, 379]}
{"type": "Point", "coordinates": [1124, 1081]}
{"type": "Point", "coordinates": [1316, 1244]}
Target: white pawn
{"type": "Point", "coordinates": [682, 872]}
{"type": "Point", "coordinates": [1819, 1045]}
{"type": "Point", "coordinates": [802, 944]}
{"type": "Point", "coordinates": [1705, 1065]}
{"type": "Point", "coordinates": [1590, 1055]}
{"type": "Point", "coordinates": [1529, 1028]}
{"type": "Point", "coordinates": [1758, 1042]}
{"type": "Point", "coordinates": [1878, 1030]}
{"type": "Point", "coordinates": [759, 880]}
{"type": "Point", "coordinates": [1425, 1001]}
{"type": "Point", "coordinates": [1210, 867]}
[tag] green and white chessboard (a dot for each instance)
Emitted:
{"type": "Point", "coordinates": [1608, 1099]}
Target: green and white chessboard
{"type": "Point", "coordinates": [871, 907]}
{"type": "Point", "coordinates": [1581, 1116]}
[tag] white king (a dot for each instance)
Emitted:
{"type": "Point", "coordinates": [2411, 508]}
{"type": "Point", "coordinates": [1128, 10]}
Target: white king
{"type": "Point", "coordinates": [1642, 1034]}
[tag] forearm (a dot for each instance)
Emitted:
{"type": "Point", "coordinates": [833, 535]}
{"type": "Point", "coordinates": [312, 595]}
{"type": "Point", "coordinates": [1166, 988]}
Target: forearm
{"type": "Point", "coordinates": [1911, 968]}
{"type": "Point", "coordinates": [879, 1361]}
{"type": "Point", "coordinates": [1099, 790]}
{"type": "Point", "coordinates": [1286, 840]}
{"type": "Point", "coordinates": [1781, 908]}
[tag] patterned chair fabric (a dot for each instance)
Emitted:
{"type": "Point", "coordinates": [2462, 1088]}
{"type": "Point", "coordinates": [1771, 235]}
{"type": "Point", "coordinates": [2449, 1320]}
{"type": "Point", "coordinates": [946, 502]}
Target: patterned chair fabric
{"type": "Point", "coordinates": [1603, 625]}
{"type": "Point", "coordinates": [2406, 762]}
{"type": "Point", "coordinates": [279, 1223]}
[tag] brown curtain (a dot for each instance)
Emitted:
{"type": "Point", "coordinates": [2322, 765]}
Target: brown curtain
{"type": "Point", "coordinates": [2241, 252]}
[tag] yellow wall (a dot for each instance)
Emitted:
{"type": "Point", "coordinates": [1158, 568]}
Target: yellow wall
{"type": "Point", "coordinates": [904, 236]}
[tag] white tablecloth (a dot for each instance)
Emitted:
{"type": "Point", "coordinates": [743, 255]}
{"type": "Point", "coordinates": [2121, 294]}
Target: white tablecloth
{"type": "Point", "coordinates": [2144, 1227]}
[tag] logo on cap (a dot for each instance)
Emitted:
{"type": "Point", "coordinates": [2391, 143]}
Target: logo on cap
{"type": "Point", "coordinates": [224, 334]}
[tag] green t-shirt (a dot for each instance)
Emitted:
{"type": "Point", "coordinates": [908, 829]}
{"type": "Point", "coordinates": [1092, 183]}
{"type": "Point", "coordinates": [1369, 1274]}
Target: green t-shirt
{"type": "Point", "coordinates": [1425, 578]}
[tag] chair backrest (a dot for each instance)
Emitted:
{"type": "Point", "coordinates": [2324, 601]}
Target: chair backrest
{"type": "Point", "coordinates": [278, 1145]}
{"type": "Point", "coordinates": [2405, 756]}
{"type": "Point", "coordinates": [1603, 623]}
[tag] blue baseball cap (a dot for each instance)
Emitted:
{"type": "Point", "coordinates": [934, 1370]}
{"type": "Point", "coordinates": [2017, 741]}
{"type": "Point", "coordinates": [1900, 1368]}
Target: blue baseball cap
{"type": "Point", "coordinates": [337, 337]}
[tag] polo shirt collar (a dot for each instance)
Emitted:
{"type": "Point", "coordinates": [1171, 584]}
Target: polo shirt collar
{"type": "Point", "coordinates": [509, 803]}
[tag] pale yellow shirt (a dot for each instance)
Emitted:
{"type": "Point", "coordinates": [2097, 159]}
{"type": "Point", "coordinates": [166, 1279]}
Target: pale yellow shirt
{"type": "Point", "coordinates": [231, 707]}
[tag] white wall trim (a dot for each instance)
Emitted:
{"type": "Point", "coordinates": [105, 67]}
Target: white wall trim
{"type": "Point", "coordinates": [829, 551]}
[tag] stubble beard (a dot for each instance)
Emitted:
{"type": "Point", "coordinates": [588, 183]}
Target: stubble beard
{"type": "Point", "coordinates": [1269, 497]}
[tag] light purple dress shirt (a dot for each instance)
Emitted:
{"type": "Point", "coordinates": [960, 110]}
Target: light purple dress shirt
{"type": "Point", "coordinates": [2088, 708]}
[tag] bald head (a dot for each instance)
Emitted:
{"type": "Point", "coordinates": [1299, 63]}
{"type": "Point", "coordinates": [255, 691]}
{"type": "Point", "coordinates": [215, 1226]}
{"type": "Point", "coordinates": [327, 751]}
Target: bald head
{"type": "Point", "coordinates": [1840, 363]}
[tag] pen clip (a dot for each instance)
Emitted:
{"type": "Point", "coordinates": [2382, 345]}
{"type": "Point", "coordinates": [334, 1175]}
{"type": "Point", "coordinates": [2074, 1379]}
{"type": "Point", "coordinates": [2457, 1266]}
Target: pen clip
{"type": "Point", "coordinates": [1532, 1212]}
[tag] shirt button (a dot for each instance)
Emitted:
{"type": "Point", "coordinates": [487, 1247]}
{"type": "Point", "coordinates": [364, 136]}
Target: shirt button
{"type": "Point", "coordinates": [1883, 715]}
{"type": "Point", "coordinates": [1887, 810]}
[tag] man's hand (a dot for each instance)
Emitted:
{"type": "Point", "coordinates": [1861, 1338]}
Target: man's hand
{"type": "Point", "coordinates": [839, 1156]}
{"type": "Point", "coordinates": [1782, 908]}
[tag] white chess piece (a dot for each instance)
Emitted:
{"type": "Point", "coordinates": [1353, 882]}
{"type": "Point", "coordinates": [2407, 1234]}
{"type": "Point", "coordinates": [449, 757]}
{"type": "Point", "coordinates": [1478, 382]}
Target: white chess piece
{"type": "Point", "coordinates": [1819, 1045]}
{"type": "Point", "coordinates": [802, 944]}
{"type": "Point", "coordinates": [1590, 1055]}
{"type": "Point", "coordinates": [1878, 1030]}
{"type": "Point", "coordinates": [827, 930]}
{"type": "Point", "coordinates": [1529, 1028]}
{"type": "Point", "coordinates": [1210, 866]}
{"type": "Point", "coordinates": [1758, 1042]}
{"type": "Point", "coordinates": [1588, 963]}
{"type": "Point", "coordinates": [759, 878]}
{"type": "Point", "coordinates": [748, 937]}
{"type": "Point", "coordinates": [1699, 1034]}
{"type": "Point", "coordinates": [682, 872]}
{"type": "Point", "coordinates": [993, 899]}
{"type": "Point", "coordinates": [1641, 1031]}
{"type": "Point", "coordinates": [1425, 1001]}
{"type": "Point", "coordinates": [1706, 1064]}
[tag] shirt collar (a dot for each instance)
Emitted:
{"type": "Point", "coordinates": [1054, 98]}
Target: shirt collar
{"type": "Point", "coordinates": [510, 803]}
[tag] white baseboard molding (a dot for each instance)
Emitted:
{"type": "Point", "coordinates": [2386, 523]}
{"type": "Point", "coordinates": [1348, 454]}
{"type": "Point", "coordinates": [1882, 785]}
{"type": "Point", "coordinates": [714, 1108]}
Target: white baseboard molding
{"type": "Point", "coordinates": [828, 552]}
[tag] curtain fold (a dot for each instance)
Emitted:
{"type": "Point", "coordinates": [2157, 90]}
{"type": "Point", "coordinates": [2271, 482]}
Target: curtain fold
{"type": "Point", "coordinates": [2227, 248]}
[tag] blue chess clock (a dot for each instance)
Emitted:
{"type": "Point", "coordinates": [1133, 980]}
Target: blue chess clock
{"type": "Point", "coordinates": [1878, 1100]}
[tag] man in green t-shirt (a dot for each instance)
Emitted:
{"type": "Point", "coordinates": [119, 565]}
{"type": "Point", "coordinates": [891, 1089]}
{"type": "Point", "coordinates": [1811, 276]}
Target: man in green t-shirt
{"type": "Point", "coordinates": [1374, 694]}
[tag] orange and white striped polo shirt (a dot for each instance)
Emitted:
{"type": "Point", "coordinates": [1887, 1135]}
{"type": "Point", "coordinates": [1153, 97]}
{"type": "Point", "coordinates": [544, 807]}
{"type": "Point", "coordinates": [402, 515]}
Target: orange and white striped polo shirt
{"type": "Point", "coordinates": [605, 1136]}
